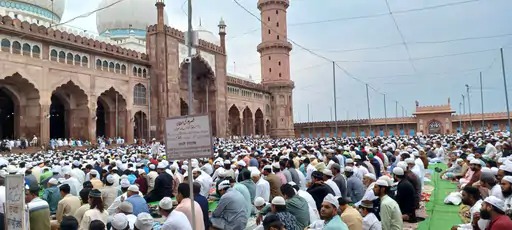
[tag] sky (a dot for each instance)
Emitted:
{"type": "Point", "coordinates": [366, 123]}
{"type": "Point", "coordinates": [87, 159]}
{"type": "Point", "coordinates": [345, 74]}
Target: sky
{"type": "Point", "coordinates": [433, 50]}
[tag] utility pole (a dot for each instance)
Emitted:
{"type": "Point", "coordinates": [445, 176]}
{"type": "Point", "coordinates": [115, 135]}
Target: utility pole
{"type": "Point", "coordinates": [464, 106]}
{"type": "Point", "coordinates": [335, 108]}
{"type": "Point", "coordinates": [505, 84]}
{"type": "Point", "coordinates": [309, 124]}
{"type": "Point", "coordinates": [469, 108]}
{"type": "Point", "coordinates": [385, 114]}
{"type": "Point", "coordinates": [190, 101]}
{"type": "Point", "coordinates": [368, 105]}
{"type": "Point", "coordinates": [403, 115]}
{"type": "Point", "coordinates": [460, 117]}
{"type": "Point", "coordinates": [482, 102]}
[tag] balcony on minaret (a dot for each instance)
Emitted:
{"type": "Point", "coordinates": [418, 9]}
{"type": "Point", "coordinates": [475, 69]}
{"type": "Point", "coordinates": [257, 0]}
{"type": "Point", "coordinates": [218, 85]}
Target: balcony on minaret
{"type": "Point", "coordinates": [262, 3]}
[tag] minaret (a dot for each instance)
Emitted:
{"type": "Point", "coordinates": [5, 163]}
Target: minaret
{"type": "Point", "coordinates": [274, 52]}
{"type": "Point", "coordinates": [222, 34]}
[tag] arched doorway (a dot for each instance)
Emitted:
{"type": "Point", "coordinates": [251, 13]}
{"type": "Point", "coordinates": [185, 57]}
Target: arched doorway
{"type": "Point", "coordinates": [113, 115]}
{"type": "Point", "coordinates": [259, 122]}
{"type": "Point", "coordinates": [183, 107]}
{"type": "Point", "coordinates": [234, 127]}
{"type": "Point", "coordinates": [7, 114]}
{"type": "Point", "coordinates": [267, 127]}
{"type": "Point", "coordinates": [57, 118]}
{"type": "Point", "coordinates": [19, 108]}
{"type": "Point", "coordinates": [140, 128]}
{"type": "Point", "coordinates": [248, 122]}
{"type": "Point", "coordinates": [435, 127]}
{"type": "Point", "coordinates": [69, 112]}
{"type": "Point", "coordinates": [100, 120]}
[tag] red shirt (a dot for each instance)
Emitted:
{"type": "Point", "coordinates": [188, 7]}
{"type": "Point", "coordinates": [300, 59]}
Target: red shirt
{"type": "Point", "coordinates": [502, 222]}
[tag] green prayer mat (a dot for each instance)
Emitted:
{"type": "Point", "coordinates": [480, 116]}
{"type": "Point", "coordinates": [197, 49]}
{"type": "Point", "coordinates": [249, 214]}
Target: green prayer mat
{"type": "Point", "coordinates": [440, 215]}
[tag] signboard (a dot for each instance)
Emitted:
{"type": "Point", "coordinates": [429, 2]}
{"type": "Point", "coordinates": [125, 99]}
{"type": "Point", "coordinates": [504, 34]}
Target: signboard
{"type": "Point", "coordinates": [15, 213]}
{"type": "Point", "coordinates": [188, 137]}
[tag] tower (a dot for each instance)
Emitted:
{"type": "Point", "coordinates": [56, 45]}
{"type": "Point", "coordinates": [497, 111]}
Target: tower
{"type": "Point", "coordinates": [274, 52]}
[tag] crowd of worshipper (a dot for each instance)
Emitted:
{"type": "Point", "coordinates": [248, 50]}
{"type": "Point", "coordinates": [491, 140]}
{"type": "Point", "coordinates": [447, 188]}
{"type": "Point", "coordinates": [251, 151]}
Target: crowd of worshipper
{"type": "Point", "coordinates": [368, 183]}
{"type": "Point", "coordinates": [484, 182]}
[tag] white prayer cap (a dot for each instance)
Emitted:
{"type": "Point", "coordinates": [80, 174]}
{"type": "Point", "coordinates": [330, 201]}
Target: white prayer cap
{"type": "Point", "coordinates": [160, 165]}
{"type": "Point", "coordinates": [381, 182]}
{"type": "Point", "coordinates": [184, 167]}
{"type": "Point", "coordinates": [409, 161]}
{"type": "Point", "coordinates": [242, 163]}
{"type": "Point", "coordinates": [485, 170]}
{"type": "Point", "coordinates": [508, 179]}
{"type": "Point", "coordinates": [227, 162]}
{"type": "Point", "coordinates": [165, 203]}
{"type": "Point", "coordinates": [110, 179]}
{"type": "Point", "coordinates": [223, 185]}
{"type": "Point", "coordinates": [133, 188]}
{"type": "Point", "coordinates": [349, 169]}
{"type": "Point", "coordinates": [402, 164]}
{"type": "Point", "coordinates": [398, 171]}
{"type": "Point", "coordinates": [276, 165]}
{"type": "Point", "coordinates": [370, 176]}
{"type": "Point", "coordinates": [119, 221]}
{"type": "Point", "coordinates": [475, 161]}
{"type": "Point", "coordinates": [11, 169]}
{"type": "Point", "coordinates": [196, 170]}
{"type": "Point", "coordinates": [496, 202]}
{"type": "Point", "coordinates": [53, 181]}
{"type": "Point", "coordinates": [141, 171]}
{"type": "Point", "coordinates": [151, 166]}
{"type": "Point", "coordinates": [125, 183]}
{"type": "Point", "coordinates": [349, 161]}
{"type": "Point", "coordinates": [327, 172]}
{"type": "Point", "coordinates": [144, 221]}
{"type": "Point", "coordinates": [506, 167]}
{"type": "Point", "coordinates": [332, 200]}
{"type": "Point", "coordinates": [278, 200]}
{"type": "Point", "coordinates": [259, 201]}
{"type": "Point", "coordinates": [92, 172]}
{"type": "Point", "coordinates": [255, 173]}
{"type": "Point", "coordinates": [267, 167]}
{"type": "Point", "coordinates": [494, 171]}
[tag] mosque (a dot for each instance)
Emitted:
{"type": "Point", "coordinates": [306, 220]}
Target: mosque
{"type": "Point", "coordinates": [60, 82]}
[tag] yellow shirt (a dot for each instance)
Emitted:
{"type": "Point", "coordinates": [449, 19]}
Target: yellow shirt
{"type": "Point", "coordinates": [352, 218]}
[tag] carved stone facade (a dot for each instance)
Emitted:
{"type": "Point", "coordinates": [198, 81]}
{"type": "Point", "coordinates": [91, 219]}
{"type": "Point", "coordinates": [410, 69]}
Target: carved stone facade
{"type": "Point", "coordinates": [437, 119]}
{"type": "Point", "coordinates": [60, 84]}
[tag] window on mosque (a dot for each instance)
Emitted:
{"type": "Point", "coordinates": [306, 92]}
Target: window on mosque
{"type": "Point", "coordinates": [277, 37]}
{"type": "Point", "coordinates": [118, 68]}
{"type": "Point", "coordinates": [268, 31]}
{"type": "Point", "coordinates": [16, 47]}
{"type": "Point", "coordinates": [495, 127]}
{"type": "Point", "coordinates": [36, 52]}
{"type": "Point", "coordinates": [139, 72]}
{"type": "Point", "coordinates": [53, 55]}
{"type": "Point", "coordinates": [77, 59]}
{"type": "Point", "coordinates": [277, 24]}
{"type": "Point", "coordinates": [98, 64]}
{"type": "Point", "coordinates": [69, 58]}
{"type": "Point", "coordinates": [6, 45]}
{"type": "Point", "coordinates": [134, 71]}
{"type": "Point", "coordinates": [412, 132]}
{"type": "Point", "coordinates": [123, 69]}
{"type": "Point", "coordinates": [85, 61]}
{"type": "Point", "coordinates": [105, 65]}
{"type": "Point", "coordinates": [26, 49]}
{"type": "Point", "coordinates": [344, 134]}
{"type": "Point", "coordinates": [62, 56]}
{"type": "Point", "coordinates": [139, 94]}
{"type": "Point", "coordinates": [144, 73]}
{"type": "Point", "coordinates": [111, 67]}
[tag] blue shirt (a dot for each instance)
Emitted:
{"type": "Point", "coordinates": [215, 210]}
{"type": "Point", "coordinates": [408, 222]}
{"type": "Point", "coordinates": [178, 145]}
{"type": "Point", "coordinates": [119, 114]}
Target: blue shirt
{"type": "Point", "coordinates": [139, 204]}
{"type": "Point", "coordinates": [335, 224]}
{"type": "Point", "coordinates": [132, 178]}
{"type": "Point", "coordinates": [52, 196]}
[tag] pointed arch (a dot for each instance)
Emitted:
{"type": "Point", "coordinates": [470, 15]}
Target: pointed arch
{"type": "Point", "coordinates": [259, 122]}
{"type": "Point", "coordinates": [234, 122]}
{"type": "Point", "coordinates": [248, 122]}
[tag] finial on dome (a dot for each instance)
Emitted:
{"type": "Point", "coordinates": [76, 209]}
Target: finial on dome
{"type": "Point", "coordinates": [200, 23]}
{"type": "Point", "coordinates": [221, 22]}
{"type": "Point", "coordinates": [107, 33]}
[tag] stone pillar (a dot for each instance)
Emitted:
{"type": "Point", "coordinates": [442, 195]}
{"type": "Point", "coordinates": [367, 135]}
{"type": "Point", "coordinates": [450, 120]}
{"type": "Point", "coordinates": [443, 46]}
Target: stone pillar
{"type": "Point", "coordinates": [129, 136]}
{"type": "Point", "coordinates": [91, 119]}
{"type": "Point", "coordinates": [44, 124]}
{"type": "Point", "coordinates": [70, 123]}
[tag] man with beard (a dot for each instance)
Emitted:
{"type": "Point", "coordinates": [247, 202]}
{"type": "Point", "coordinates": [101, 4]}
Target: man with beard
{"type": "Point", "coordinates": [404, 192]}
{"type": "Point", "coordinates": [471, 197]}
{"type": "Point", "coordinates": [493, 209]}
{"type": "Point", "coordinates": [506, 190]}
{"type": "Point", "coordinates": [390, 214]}
{"type": "Point", "coordinates": [318, 188]}
{"type": "Point", "coordinates": [163, 185]}
{"type": "Point", "coordinates": [329, 213]}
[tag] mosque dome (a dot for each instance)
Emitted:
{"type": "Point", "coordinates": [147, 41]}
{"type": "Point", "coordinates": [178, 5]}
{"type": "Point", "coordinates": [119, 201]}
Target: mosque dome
{"type": "Point", "coordinates": [128, 17]}
{"type": "Point", "coordinates": [44, 9]}
{"type": "Point", "coordinates": [206, 35]}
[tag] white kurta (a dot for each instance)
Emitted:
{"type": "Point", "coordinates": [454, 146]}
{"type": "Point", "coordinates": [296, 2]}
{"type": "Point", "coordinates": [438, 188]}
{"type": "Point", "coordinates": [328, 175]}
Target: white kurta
{"type": "Point", "coordinates": [263, 189]}
{"type": "Point", "coordinates": [176, 221]}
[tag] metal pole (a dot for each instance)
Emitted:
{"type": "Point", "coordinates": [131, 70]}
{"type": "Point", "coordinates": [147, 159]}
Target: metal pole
{"type": "Point", "coordinates": [117, 118]}
{"type": "Point", "coordinates": [403, 115]}
{"type": "Point", "coordinates": [482, 102]}
{"type": "Point", "coordinates": [460, 117]}
{"type": "Point", "coordinates": [505, 85]}
{"type": "Point", "coordinates": [190, 108]}
{"type": "Point", "coordinates": [469, 108]}
{"type": "Point", "coordinates": [396, 108]}
{"type": "Point", "coordinates": [309, 124]}
{"type": "Point", "coordinates": [464, 106]}
{"type": "Point", "coordinates": [335, 107]}
{"type": "Point", "coordinates": [368, 105]}
{"type": "Point", "coordinates": [385, 114]}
